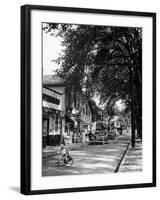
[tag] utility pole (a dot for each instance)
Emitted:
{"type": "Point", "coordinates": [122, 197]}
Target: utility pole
{"type": "Point", "coordinates": [132, 108]}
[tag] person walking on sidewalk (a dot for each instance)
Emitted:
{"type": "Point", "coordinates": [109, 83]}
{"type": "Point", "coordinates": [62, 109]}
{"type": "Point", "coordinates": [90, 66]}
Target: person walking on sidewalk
{"type": "Point", "coordinates": [64, 138]}
{"type": "Point", "coordinates": [81, 138]}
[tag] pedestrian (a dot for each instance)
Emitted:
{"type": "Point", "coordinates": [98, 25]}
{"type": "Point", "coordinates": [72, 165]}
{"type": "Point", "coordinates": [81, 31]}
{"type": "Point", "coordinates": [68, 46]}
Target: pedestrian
{"type": "Point", "coordinates": [83, 137]}
{"type": "Point", "coordinates": [62, 140]}
{"type": "Point", "coordinates": [90, 136]}
{"type": "Point", "coordinates": [80, 137]}
{"type": "Point", "coordinates": [121, 129]}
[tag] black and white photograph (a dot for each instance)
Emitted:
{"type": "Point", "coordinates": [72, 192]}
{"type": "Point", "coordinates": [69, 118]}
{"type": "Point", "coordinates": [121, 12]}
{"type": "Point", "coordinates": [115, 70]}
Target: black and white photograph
{"type": "Point", "coordinates": [92, 99]}
{"type": "Point", "coordinates": [88, 99]}
{"type": "Point", "coordinates": [79, 100]}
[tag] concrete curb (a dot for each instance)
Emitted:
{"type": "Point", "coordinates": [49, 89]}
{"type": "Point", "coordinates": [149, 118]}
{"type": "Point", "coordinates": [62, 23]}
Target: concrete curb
{"type": "Point", "coordinates": [118, 166]}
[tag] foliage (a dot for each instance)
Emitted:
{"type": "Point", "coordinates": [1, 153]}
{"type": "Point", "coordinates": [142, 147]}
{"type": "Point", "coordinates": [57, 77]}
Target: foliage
{"type": "Point", "coordinates": [100, 60]}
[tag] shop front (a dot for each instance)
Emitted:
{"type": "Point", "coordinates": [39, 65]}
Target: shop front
{"type": "Point", "coordinates": [53, 118]}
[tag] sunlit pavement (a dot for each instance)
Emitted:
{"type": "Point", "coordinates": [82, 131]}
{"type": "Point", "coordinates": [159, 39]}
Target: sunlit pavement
{"type": "Point", "coordinates": [91, 159]}
{"type": "Point", "coordinates": [132, 161]}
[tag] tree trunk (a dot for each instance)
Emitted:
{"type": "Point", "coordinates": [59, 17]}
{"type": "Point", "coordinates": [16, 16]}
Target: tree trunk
{"type": "Point", "coordinates": [132, 108]}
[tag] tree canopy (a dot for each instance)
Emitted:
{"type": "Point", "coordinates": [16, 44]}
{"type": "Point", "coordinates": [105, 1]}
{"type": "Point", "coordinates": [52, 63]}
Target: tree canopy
{"type": "Point", "coordinates": [100, 60]}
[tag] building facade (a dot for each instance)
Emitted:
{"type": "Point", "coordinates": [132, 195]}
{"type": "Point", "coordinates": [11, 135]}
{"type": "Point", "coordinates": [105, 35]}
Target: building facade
{"type": "Point", "coordinates": [53, 117]}
{"type": "Point", "coordinates": [67, 114]}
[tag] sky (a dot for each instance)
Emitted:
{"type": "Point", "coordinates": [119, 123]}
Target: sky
{"type": "Point", "coordinates": [51, 48]}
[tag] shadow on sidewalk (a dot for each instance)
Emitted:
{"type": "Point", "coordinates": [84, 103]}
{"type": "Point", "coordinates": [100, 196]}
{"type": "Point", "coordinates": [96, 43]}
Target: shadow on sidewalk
{"type": "Point", "coordinates": [133, 159]}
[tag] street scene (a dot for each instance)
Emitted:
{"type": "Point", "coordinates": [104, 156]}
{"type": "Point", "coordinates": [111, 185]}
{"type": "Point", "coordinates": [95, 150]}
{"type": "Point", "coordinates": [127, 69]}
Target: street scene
{"type": "Point", "coordinates": [92, 99]}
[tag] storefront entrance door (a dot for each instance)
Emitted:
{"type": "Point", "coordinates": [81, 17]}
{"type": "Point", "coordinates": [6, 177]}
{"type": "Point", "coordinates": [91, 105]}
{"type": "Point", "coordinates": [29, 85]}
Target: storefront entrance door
{"type": "Point", "coordinates": [45, 132]}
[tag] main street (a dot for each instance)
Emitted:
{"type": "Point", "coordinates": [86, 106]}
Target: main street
{"type": "Point", "coordinates": [90, 159]}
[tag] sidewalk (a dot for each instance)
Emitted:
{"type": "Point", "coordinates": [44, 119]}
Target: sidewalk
{"type": "Point", "coordinates": [133, 158]}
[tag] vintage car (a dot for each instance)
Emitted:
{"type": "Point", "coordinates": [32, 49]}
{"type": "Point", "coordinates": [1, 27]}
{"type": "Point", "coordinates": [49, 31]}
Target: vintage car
{"type": "Point", "coordinates": [112, 134]}
{"type": "Point", "coordinates": [99, 137]}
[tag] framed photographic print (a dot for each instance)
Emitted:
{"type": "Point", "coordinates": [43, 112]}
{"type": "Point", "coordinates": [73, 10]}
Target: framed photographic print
{"type": "Point", "coordinates": [88, 99]}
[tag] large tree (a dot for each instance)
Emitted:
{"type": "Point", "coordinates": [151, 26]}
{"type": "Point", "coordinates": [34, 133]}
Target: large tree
{"type": "Point", "coordinates": [104, 60]}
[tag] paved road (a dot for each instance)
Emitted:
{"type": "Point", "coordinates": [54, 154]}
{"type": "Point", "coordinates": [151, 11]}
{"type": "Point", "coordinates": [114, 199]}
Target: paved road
{"type": "Point", "coordinates": [91, 159]}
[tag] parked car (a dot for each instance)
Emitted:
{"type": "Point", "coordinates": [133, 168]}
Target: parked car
{"type": "Point", "coordinates": [99, 137]}
{"type": "Point", "coordinates": [112, 134]}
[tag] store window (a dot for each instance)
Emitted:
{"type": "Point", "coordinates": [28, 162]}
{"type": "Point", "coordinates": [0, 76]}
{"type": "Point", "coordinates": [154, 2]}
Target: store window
{"type": "Point", "coordinates": [45, 127]}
